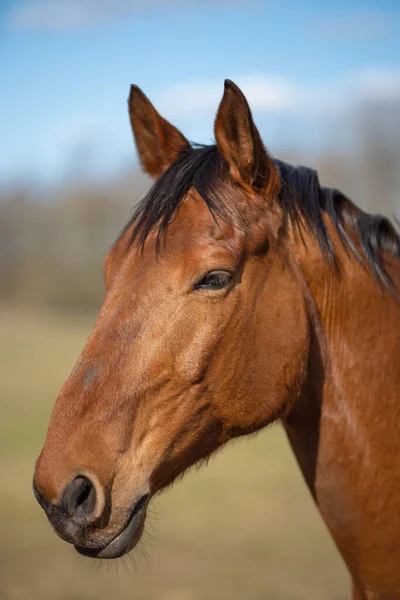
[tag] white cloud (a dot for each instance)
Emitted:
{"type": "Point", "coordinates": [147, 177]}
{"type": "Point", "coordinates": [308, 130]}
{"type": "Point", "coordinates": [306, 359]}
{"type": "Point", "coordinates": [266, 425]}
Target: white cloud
{"type": "Point", "coordinates": [359, 25]}
{"type": "Point", "coordinates": [198, 97]}
{"type": "Point", "coordinates": [49, 15]}
{"type": "Point", "coordinates": [269, 94]}
{"type": "Point", "coordinates": [70, 15]}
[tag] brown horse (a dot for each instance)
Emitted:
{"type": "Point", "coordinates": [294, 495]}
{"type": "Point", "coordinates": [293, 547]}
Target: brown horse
{"type": "Point", "coordinates": [240, 292]}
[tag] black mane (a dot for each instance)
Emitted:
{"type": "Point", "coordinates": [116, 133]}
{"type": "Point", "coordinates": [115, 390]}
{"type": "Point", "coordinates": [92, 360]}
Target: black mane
{"type": "Point", "coordinates": [302, 199]}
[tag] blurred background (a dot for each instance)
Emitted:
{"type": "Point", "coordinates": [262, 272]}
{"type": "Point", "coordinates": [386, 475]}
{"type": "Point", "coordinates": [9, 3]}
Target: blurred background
{"type": "Point", "coordinates": [323, 79]}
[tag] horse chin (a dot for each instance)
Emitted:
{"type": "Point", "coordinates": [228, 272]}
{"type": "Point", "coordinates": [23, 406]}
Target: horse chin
{"type": "Point", "coordinates": [125, 540]}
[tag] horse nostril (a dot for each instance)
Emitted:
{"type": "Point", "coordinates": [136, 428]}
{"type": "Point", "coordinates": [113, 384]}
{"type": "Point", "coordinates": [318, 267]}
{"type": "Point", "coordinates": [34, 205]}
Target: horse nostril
{"type": "Point", "coordinates": [79, 499]}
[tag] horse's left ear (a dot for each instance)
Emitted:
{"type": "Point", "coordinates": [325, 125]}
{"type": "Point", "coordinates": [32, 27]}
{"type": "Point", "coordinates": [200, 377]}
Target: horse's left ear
{"type": "Point", "coordinates": [158, 142]}
{"type": "Point", "coordinates": [240, 143]}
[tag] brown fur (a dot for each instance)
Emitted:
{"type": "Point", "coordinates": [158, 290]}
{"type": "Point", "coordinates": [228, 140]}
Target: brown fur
{"type": "Point", "coordinates": [171, 373]}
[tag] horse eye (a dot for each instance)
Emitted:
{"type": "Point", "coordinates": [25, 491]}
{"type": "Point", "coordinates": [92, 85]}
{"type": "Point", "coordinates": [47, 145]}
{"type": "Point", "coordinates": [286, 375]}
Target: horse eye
{"type": "Point", "coordinates": [214, 280]}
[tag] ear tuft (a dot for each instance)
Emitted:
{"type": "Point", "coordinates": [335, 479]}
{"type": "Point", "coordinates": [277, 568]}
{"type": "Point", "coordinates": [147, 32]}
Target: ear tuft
{"type": "Point", "coordinates": [240, 143]}
{"type": "Point", "coordinates": [158, 142]}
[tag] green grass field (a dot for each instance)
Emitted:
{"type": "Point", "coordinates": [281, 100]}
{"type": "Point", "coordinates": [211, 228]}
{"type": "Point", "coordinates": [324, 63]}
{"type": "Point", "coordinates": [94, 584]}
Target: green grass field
{"type": "Point", "coordinates": [244, 527]}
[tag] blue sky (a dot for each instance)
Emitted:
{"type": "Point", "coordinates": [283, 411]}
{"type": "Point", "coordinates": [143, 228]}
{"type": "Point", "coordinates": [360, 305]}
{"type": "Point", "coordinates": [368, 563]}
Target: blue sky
{"type": "Point", "coordinates": [66, 67]}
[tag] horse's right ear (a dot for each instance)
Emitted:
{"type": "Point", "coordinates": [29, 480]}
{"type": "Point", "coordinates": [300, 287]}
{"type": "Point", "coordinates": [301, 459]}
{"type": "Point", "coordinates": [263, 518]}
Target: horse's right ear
{"type": "Point", "coordinates": [158, 142]}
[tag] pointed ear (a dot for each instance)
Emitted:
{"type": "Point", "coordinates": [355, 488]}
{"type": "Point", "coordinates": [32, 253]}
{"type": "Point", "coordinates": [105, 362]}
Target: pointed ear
{"type": "Point", "coordinates": [240, 143]}
{"type": "Point", "coordinates": [158, 142]}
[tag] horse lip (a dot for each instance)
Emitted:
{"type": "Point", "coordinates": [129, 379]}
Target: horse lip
{"type": "Point", "coordinates": [125, 540]}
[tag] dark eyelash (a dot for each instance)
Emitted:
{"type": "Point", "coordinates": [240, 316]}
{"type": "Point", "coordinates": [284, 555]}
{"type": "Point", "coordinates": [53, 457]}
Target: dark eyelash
{"type": "Point", "coordinates": [214, 280]}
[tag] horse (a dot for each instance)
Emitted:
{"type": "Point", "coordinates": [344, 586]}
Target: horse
{"type": "Point", "coordinates": [240, 292]}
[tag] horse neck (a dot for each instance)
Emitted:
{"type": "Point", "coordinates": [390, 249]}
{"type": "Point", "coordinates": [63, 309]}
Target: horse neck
{"type": "Point", "coordinates": [344, 430]}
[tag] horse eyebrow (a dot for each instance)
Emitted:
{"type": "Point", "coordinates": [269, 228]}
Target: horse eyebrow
{"type": "Point", "coordinates": [303, 201]}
